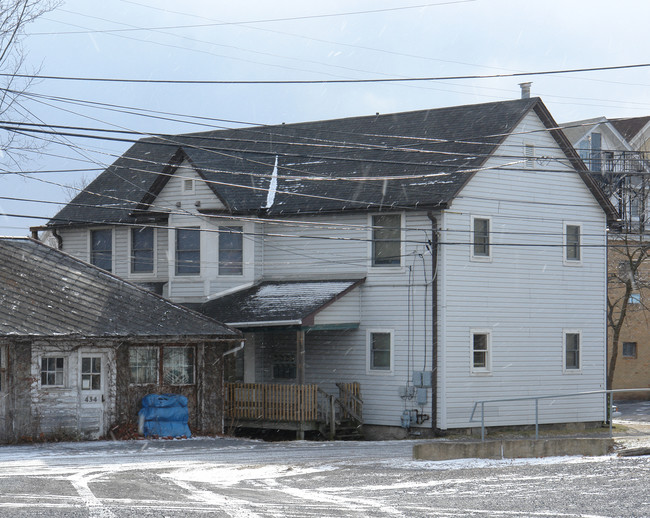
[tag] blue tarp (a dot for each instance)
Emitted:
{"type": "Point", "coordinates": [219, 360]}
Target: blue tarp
{"type": "Point", "coordinates": [165, 415]}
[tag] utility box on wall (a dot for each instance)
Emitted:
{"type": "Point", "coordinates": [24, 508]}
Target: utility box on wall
{"type": "Point", "coordinates": [423, 379]}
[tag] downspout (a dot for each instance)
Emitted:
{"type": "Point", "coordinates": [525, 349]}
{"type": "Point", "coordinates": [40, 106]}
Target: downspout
{"type": "Point", "coordinates": [434, 322]}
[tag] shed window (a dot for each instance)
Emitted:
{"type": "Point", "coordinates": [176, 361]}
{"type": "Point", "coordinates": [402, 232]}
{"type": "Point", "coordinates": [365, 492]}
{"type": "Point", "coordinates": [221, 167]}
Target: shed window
{"type": "Point", "coordinates": [101, 248]}
{"type": "Point", "coordinates": [91, 373]}
{"type": "Point", "coordinates": [143, 362]}
{"type": "Point", "coordinates": [231, 251]}
{"type": "Point", "coordinates": [142, 250]}
{"type": "Point", "coordinates": [188, 251]}
{"type": "Point", "coordinates": [178, 365]}
{"type": "Point", "coordinates": [52, 370]}
{"type": "Point", "coordinates": [386, 240]}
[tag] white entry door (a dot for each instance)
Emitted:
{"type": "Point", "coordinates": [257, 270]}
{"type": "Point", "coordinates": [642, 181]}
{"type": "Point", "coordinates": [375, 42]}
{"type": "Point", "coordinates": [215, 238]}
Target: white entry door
{"type": "Point", "coordinates": [92, 393]}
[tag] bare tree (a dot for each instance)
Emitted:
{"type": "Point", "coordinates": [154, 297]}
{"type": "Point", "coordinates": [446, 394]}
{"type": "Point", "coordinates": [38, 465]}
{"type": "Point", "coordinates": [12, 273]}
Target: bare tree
{"type": "Point", "coordinates": [15, 15]}
{"type": "Point", "coordinates": [628, 290]}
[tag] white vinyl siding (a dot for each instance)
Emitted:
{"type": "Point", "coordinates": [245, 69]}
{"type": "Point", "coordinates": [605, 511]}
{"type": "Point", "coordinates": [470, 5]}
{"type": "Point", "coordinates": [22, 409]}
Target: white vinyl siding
{"type": "Point", "coordinates": [527, 295]}
{"type": "Point", "coordinates": [174, 196]}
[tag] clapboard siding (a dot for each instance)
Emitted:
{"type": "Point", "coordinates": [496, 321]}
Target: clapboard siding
{"type": "Point", "coordinates": [526, 295]}
{"type": "Point", "coordinates": [346, 309]}
{"type": "Point", "coordinates": [173, 197]}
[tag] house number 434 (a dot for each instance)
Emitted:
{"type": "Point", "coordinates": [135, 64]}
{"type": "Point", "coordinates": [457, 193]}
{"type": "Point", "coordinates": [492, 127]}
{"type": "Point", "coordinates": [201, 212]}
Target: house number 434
{"type": "Point", "coordinates": [91, 399]}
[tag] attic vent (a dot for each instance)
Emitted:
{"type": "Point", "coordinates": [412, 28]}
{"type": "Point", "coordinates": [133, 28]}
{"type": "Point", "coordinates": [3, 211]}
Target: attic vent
{"type": "Point", "coordinates": [188, 185]}
{"type": "Point", "coordinates": [529, 155]}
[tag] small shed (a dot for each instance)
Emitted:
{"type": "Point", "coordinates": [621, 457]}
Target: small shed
{"type": "Point", "coordinates": [79, 348]}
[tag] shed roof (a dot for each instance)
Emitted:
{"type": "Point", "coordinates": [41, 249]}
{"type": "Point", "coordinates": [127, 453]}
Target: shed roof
{"type": "Point", "coordinates": [47, 293]}
{"type": "Point", "coordinates": [273, 303]}
{"type": "Point", "coordinates": [418, 159]}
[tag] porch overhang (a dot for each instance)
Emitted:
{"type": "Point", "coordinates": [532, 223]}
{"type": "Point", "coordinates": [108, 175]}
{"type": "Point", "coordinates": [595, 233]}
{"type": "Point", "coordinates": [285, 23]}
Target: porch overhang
{"type": "Point", "coordinates": [301, 305]}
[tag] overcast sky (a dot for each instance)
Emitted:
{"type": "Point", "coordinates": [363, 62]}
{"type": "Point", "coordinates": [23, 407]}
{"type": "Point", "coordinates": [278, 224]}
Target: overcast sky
{"type": "Point", "coordinates": [291, 40]}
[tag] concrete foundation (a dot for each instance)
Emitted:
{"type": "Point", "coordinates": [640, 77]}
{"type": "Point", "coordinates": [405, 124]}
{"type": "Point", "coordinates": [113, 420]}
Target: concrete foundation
{"type": "Point", "coordinates": [512, 449]}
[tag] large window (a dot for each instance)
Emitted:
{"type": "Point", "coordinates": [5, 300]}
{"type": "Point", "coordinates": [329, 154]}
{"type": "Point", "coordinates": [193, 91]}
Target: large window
{"type": "Point", "coordinates": [481, 360]}
{"type": "Point", "coordinates": [571, 350]}
{"type": "Point", "coordinates": [142, 250]}
{"type": "Point", "coordinates": [143, 362]}
{"type": "Point", "coordinates": [231, 251]}
{"type": "Point", "coordinates": [380, 351]}
{"type": "Point", "coordinates": [188, 251]}
{"type": "Point", "coordinates": [572, 244]}
{"type": "Point", "coordinates": [386, 240]}
{"type": "Point", "coordinates": [101, 248]}
{"type": "Point", "coordinates": [52, 372]}
{"type": "Point", "coordinates": [480, 238]}
{"type": "Point", "coordinates": [176, 363]}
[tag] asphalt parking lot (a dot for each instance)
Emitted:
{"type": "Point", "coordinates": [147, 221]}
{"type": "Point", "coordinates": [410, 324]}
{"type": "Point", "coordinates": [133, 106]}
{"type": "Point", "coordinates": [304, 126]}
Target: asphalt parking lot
{"type": "Point", "coordinates": [241, 478]}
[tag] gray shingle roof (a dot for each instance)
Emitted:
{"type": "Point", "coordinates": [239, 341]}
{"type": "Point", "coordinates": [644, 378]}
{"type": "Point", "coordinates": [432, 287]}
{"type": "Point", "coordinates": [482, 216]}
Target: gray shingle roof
{"type": "Point", "coordinates": [344, 155]}
{"type": "Point", "coordinates": [273, 301]}
{"type": "Point", "coordinates": [630, 127]}
{"type": "Point", "coordinates": [47, 293]}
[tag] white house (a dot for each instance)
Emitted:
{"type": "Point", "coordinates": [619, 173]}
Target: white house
{"type": "Point", "coordinates": [419, 262]}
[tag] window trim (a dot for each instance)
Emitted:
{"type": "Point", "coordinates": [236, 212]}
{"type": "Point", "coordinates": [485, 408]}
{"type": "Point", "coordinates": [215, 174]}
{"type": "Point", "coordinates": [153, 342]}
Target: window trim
{"type": "Point", "coordinates": [565, 242]}
{"type": "Point", "coordinates": [184, 181]}
{"type": "Point", "coordinates": [474, 370]}
{"type": "Point", "coordinates": [175, 244]}
{"type": "Point", "coordinates": [154, 269]}
{"type": "Point", "coordinates": [480, 258]}
{"type": "Point", "coordinates": [64, 373]}
{"type": "Point", "coordinates": [369, 368]}
{"type": "Point", "coordinates": [571, 370]}
{"type": "Point", "coordinates": [389, 268]}
{"type": "Point", "coordinates": [90, 247]}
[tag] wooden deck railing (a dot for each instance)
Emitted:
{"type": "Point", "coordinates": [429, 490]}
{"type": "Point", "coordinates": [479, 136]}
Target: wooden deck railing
{"type": "Point", "coordinates": [259, 401]}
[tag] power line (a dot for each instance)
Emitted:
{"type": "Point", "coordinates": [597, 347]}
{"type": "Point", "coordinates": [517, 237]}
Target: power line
{"type": "Point", "coordinates": [323, 81]}
{"type": "Point", "coordinates": [265, 20]}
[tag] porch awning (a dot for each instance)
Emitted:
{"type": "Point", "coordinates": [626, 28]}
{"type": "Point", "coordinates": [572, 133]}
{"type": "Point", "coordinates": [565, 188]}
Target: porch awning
{"type": "Point", "coordinates": [307, 304]}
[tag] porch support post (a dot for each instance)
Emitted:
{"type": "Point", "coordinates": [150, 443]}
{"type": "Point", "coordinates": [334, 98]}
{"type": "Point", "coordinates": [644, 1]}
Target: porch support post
{"type": "Point", "coordinates": [300, 357]}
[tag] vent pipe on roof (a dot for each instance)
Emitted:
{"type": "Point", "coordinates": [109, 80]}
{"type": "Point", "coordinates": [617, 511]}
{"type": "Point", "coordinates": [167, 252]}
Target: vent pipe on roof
{"type": "Point", "coordinates": [525, 90]}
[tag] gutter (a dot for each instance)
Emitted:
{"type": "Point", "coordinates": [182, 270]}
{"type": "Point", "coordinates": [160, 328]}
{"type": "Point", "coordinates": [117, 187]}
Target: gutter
{"type": "Point", "coordinates": [434, 322]}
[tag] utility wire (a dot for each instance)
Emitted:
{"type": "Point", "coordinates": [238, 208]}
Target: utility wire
{"type": "Point", "coordinates": [322, 81]}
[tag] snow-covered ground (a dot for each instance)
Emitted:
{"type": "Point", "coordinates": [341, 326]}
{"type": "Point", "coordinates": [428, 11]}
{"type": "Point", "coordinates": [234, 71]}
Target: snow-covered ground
{"type": "Point", "coordinates": [246, 479]}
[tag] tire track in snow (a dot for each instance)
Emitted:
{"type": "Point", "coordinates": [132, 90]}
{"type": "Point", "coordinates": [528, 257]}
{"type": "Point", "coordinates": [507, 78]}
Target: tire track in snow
{"type": "Point", "coordinates": [231, 506]}
{"type": "Point", "coordinates": [96, 508]}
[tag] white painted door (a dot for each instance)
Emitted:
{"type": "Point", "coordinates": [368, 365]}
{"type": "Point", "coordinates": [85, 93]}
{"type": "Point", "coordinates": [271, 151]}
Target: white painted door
{"type": "Point", "coordinates": [92, 393]}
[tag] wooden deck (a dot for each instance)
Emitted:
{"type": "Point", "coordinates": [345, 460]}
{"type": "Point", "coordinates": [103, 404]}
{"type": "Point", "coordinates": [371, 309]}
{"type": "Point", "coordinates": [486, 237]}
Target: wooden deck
{"type": "Point", "coordinates": [289, 407]}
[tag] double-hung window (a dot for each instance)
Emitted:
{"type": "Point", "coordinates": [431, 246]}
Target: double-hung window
{"type": "Point", "coordinates": [572, 339]}
{"type": "Point", "coordinates": [572, 244]}
{"type": "Point", "coordinates": [188, 251]}
{"type": "Point", "coordinates": [481, 246]}
{"type": "Point", "coordinates": [380, 351]}
{"type": "Point", "coordinates": [481, 354]}
{"type": "Point", "coordinates": [386, 240]}
{"type": "Point", "coordinates": [178, 365]}
{"type": "Point", "coordinates": [142, 250]}
{"type": "Point", "coordinates": [143, 362]}
{"type": "Point", "coordinates": [101, 248]}
{"type": "Point", "coordinates": [231, 250]}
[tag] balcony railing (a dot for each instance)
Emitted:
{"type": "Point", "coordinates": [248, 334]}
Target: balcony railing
{"type": "Point", "coordinates": [267, 402]}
